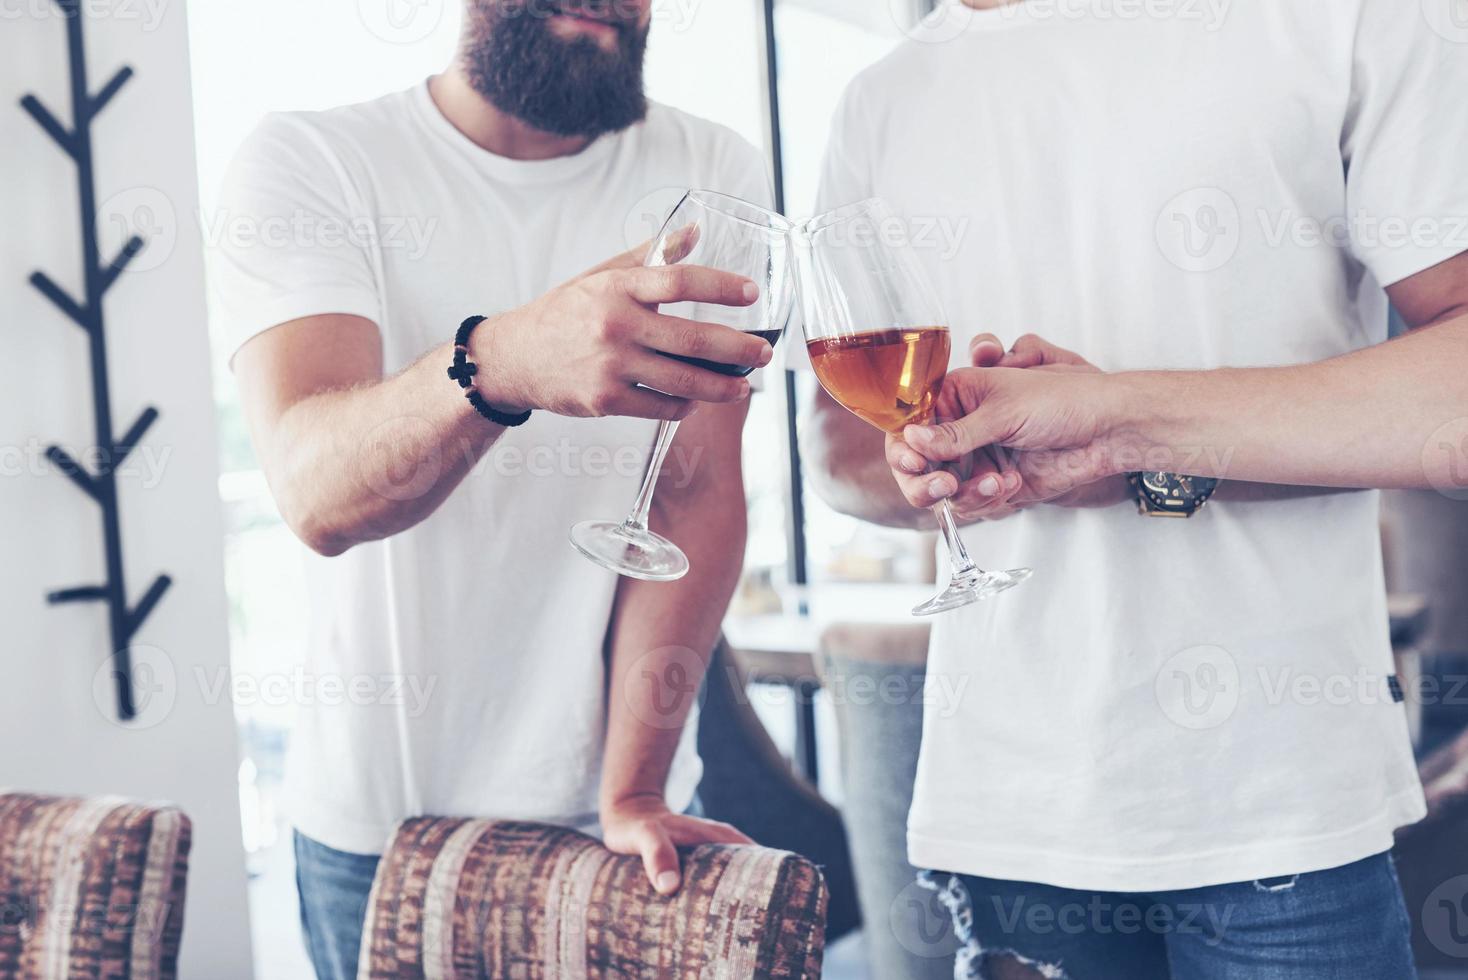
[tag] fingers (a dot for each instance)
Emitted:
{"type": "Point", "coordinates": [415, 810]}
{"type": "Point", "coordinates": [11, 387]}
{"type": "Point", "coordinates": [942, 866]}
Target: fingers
{"type": "Point", "coordinates": [689, 284]}
{"type": "Point", "coordinates": [1032, 351]}
{"type": "Point", "coordinates": [902, 459]}
{"type": "Point", "coordinates": [642, 403]}
{"type": "Point", "coordinates": [704, 341]}
{"type": "Point", "coordinates": [688, 831]}
{"type": "Point", "coordinates": [989, 493]}
{"type": "Point", "coordinates": [685, 381]}
{"type": "Point", "coordinates": [985, 350]}
{"type": "Point", "coordinates": [954, 439]}
{"type": "Point", "coordinates": [659, 856]}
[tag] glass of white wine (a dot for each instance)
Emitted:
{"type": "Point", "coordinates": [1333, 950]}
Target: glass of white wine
{"type": "Point", "coordinates": [878, 343]}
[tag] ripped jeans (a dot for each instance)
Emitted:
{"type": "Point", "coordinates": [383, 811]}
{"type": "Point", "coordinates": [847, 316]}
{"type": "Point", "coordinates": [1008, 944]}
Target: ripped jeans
{"type": "Point", "coordinates": [1348, 923]}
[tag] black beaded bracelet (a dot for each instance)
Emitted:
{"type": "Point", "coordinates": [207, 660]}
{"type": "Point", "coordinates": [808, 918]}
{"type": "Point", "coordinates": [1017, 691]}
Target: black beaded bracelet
{"type": "Point", "coordinates": [464, 371]}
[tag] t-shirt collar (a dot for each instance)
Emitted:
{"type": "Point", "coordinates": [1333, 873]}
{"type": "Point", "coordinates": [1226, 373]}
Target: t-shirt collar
{"type": "Point", "coordinates": [508, 169]}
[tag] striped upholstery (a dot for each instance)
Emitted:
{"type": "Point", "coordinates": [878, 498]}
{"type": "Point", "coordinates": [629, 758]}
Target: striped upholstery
{"type": "Point", "coordinates": [472, 898]}
{"type": "Point", "coordinates": [90, 888]}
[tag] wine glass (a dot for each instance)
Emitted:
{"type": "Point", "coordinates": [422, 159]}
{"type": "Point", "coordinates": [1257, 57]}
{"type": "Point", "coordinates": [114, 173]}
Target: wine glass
{"type": "Point", "coordinates": [718, 232]}
{"type": "Point", "coordinates": [878, 343]}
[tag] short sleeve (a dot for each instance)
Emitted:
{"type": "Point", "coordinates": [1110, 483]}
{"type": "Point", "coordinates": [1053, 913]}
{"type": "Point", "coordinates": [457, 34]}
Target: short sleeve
{"type": "Point", "coordinates": [291, 239]}
{"type": "Point", "coordinates": [1406, 186]}
{"type": "Point", "coordinates": [845, 179]}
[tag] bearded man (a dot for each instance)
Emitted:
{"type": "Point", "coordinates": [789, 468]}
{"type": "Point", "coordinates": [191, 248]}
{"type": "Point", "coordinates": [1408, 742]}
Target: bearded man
{"type": "Point", "coordinates": [439, 523]}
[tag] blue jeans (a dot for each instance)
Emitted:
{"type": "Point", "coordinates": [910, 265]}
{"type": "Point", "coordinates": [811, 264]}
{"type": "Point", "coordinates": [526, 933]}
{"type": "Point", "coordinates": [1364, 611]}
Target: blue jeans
{"type": "Point", "coordinates": [334, 887]}
{"type": "Point", "coordinates": [1347, 923]}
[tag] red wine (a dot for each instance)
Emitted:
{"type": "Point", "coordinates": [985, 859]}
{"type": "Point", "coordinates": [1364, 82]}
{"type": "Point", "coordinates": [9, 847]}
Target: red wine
{"type": "Point", "coordinates": [771, 337]}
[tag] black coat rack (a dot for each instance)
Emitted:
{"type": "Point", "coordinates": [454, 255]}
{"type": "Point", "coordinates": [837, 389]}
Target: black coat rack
{"type": "Point", "coordinates": [123, 621]}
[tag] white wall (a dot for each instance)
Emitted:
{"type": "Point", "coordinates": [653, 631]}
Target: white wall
{"type": "Point", "coordinates": [58, 734]}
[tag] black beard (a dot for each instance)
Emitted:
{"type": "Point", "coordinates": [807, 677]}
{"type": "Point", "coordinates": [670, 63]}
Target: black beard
{"type": "Point", "coordinates": [564, 87]}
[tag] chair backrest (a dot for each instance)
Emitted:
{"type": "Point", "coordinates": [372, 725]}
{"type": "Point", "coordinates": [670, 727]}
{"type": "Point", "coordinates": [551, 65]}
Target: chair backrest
{"type": "Point", "coordinates": [747, 783]}
{"type": "Point", "coordinates": [475, 898]}
{"type": "Point", "coordinates": [91, 888]}
{"type": "Point", "coordinates": [882, 670]}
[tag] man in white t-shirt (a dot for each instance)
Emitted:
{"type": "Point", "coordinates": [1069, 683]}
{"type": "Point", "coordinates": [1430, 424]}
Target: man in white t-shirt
{"type": "Point", "coordinates": [1182, 750]}
{"type": "Point", "coordinates": [483, 667]}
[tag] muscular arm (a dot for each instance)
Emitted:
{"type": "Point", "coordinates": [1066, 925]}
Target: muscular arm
{"type": "Point", "coordinates": [1390, 416]}
{"type": "Point", "coordinates": [661, 636]}
{"type": "Point", "coordinates": [352, 456]}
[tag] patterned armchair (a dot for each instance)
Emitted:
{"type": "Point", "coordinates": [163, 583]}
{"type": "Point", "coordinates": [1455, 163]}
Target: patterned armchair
{"type": "Point", "coordinates": [90, 888]}
{"type": "Point", "coordinates": [472, 898]}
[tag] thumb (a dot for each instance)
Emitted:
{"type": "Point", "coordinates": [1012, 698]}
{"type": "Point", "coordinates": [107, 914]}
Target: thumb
{"type": "Point", "coordinates": [948, 441]}
{"type": "Point", "coordinates": [659, 857]}
{"type": "Point", "coordinates": [985, 350]}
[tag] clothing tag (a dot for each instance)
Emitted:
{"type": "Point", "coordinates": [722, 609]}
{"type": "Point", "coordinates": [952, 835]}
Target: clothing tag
{"type": "Point", "coordinates": [1395, 687]}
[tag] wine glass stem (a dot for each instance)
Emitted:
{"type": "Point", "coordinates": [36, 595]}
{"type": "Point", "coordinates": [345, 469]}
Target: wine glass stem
{"type": "Point", "coordinates": [643, 506]}
{"type": "Point", "coordinates": [957, 554]}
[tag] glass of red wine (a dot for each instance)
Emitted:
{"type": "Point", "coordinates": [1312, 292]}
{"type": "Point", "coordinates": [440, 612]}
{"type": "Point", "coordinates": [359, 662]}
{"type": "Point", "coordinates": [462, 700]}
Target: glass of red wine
{"type": "Point", "coordinates": [718, 232]}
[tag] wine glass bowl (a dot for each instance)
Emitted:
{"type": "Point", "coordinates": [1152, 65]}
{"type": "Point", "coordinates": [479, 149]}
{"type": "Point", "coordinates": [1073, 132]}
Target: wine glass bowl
{"type": "Point", "coordinates": [879, 344]}
{"type": "Point", "coordinates": [718, 232]}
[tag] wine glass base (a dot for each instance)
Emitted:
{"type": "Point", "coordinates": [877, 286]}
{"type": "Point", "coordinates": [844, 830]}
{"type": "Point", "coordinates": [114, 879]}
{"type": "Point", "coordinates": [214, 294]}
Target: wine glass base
{"type": "Point", "coordinates": [630, 550]}
{"type": "Point", "coordinates": [972, 588]}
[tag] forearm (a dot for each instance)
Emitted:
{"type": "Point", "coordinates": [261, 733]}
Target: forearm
{"type": "Point", "coordinates": [1364, 420]}
{"type": "Point", "coordinates": [662, 634]}
{"type": "Point", "coordinates": [363, 463]}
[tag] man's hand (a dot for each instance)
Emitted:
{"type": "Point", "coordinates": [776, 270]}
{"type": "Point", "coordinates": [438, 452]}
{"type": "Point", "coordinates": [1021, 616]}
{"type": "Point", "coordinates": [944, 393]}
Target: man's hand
{"type": "Point", "coordinates": [644, 825]}
{"type": "Point", "coordinates": [596, 346]}
{"type": "Point", "coordinates": [991, 482]}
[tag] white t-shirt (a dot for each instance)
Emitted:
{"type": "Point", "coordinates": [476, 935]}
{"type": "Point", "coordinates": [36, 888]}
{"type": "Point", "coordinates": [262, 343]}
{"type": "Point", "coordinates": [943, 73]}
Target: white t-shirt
{"type": "Point", "coordinates": [1167, 704]}
{"type": "Point", "coordinates": [475, 637]}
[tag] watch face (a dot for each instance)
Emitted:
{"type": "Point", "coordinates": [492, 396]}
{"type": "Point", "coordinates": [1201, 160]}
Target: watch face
{"type": "Point", "coordinates": [1158, 483]}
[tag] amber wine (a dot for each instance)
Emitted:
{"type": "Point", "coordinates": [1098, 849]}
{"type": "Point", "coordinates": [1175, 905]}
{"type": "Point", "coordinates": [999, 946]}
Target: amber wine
{"type": "Point", "coordinates": [890, 378]}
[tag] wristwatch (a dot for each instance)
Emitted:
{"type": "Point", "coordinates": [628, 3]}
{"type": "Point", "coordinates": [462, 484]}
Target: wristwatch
{"type": "Point", "coordinates": [1171, 494]}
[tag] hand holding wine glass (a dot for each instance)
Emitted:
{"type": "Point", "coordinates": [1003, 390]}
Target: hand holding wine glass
{"type": "Point", "coordinates": [707, 234]}
{"type": "Point", "coordinates": [879, 344]}
{"type": "Point", "coordinates": [599, 345]}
